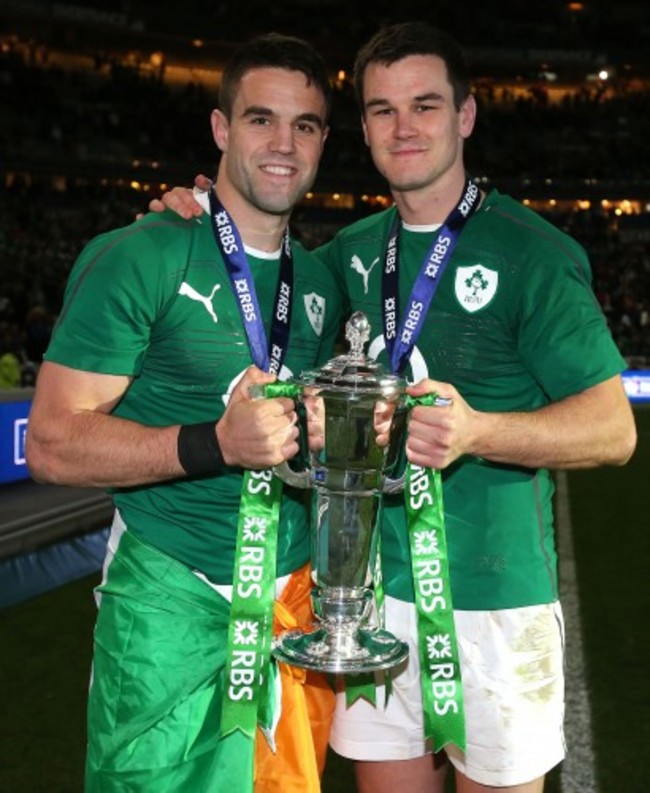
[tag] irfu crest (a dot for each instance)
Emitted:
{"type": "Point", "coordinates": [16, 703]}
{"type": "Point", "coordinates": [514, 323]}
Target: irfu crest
{"type": "Point", "coordinates": [315, 308]}
{"type": "Point", "coordinates": [475, 286]}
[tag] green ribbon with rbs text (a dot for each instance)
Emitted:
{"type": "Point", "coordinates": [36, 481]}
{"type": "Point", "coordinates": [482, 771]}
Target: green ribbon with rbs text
{"type": "Point", "coordinates": [442, 693]}
{"type": "Point", "coordinates": [248, 688]}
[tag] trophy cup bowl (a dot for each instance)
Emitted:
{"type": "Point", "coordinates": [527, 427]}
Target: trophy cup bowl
{"type": "Point", "coordinates": [347, 477]}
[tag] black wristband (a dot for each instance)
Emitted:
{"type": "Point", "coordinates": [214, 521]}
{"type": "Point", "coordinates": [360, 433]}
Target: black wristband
{"type": "Point", "coordinates": [198, 449]}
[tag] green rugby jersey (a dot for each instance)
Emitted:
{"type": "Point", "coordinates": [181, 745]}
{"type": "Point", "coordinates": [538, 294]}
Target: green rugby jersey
{"type": "Point", "coordinates": [153, 301]}
{"type": "Point", "coordinates": [513, 325]}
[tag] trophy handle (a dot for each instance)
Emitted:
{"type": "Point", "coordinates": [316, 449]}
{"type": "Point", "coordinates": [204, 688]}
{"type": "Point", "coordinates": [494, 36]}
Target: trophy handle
{"type": "Point", "coordinates": [300, 479]}
{"type": "Point", "coordinates": [294, 476]}
{"type": "Point", "coordinates": [396, 485]}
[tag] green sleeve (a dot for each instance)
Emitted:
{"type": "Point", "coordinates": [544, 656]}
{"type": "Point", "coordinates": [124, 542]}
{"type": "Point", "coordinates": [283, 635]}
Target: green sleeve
{"type": "Point", "coordinates": [119, 285]}
{"type": "Point", "coordinates": [564, 338]}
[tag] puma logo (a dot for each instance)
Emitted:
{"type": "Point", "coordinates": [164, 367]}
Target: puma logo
{"type": "Point", "coordinates": [357, 265]}
{"type": "Point", "coordinates": [190, 291]}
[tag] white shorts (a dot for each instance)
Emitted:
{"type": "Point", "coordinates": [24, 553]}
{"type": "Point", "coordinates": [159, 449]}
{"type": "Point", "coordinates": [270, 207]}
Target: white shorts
{"type": "Point", "coordinates": [513, 689]}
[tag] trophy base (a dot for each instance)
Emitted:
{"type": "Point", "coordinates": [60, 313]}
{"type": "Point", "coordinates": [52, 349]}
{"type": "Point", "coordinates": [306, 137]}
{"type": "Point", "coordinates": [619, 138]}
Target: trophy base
{"type": "Point", "coordinates": [340, 651]}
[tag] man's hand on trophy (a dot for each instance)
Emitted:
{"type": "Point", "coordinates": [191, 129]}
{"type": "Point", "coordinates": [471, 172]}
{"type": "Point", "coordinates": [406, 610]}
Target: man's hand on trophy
{"type": "Point", "coordinates": [257, 433]}
{"type": "Point", "coordinates": [439, 434]}
{"type": "Point", "coordinates": [182, 199]}
{"type": "Point", "coordinates": [315, 422]}
{"type": "Point", "coordinates": [382, 419]}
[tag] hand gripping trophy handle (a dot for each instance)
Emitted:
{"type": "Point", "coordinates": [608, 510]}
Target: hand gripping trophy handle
{"type": "Point", "coordinates": [302, 478]}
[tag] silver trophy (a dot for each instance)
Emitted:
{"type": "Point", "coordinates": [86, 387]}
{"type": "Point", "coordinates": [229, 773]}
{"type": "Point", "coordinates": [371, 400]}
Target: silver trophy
{"type": "Point", "coordinates": [347, 476]}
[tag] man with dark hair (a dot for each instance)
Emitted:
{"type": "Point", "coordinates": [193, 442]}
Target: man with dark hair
{"type": "Point", "coordinates": [496, 304]}
{"type": "Point", "coordinates": [515, 327]}
{"type": "Point", "coordinates": [144, 390]}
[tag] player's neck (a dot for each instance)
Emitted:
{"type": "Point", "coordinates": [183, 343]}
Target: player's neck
{"type": "Point", "coordinates": [431, 204]}
{"type": "Point", "coordinates": [257, 229]}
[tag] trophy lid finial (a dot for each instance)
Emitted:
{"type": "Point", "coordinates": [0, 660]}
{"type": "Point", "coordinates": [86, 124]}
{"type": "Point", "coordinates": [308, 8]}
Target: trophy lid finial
{"type": "Point", "coordinates": [357, 332]}
{"type": "Point", "coordinates": [354, 372]}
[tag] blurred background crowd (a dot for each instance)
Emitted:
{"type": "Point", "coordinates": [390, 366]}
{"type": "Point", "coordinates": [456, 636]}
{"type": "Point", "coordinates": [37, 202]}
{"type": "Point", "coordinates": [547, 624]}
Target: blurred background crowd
{"type": "Point", "coordinates": [101, 110]}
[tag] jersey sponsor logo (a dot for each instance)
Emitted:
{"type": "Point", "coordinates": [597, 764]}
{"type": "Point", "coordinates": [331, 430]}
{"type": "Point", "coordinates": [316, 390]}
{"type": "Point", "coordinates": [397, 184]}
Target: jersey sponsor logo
{"type": "Point", "coordinates": [206, 300]}
{"type": "Point", "coordinates": [315, 308]}
{"type": "Point", "coordinates": [358, 266]}
{"type": "Point", "coordinates": [475, 286]}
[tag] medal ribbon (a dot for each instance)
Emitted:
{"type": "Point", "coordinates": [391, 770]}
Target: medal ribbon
{"type": "Point", "coordinates": [400, 337]}
{"type": "Point", "coordinates": [442, 693]}
{"type": "Point", "coordinates": [267, 357]}
{"type": "Point", "coordinates": [248, 670]}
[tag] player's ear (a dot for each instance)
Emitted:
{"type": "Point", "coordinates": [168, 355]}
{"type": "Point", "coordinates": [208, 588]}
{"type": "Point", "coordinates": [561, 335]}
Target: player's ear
{"type": "Point", "coordinates": [220, 129]}
{"type": "Point", "coordinates": [467, 116]}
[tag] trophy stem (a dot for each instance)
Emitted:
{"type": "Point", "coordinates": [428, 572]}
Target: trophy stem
{"type": "Point", "coordinates": [344, 639]}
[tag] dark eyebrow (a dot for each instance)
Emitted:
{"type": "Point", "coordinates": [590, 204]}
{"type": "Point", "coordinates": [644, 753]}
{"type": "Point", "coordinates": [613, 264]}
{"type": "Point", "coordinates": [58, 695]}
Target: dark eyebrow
{"type": "Point", "coordinates": [257, 110]}
{"type": "Point", "coordinates": [431, 96]}
{"type": "Point", "coordinates": [260, 110]}
{"type": "Point", "coordinates": [313, 118]}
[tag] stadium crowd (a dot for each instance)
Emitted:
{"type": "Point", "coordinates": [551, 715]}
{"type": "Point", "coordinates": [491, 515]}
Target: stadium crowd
{"type": "Point", "coordinates": [110, 117]}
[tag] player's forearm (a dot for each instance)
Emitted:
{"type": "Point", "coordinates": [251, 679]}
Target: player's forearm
{"type": "Point", "coordinates": [92, 449]}
{"type": "Point", "coordinates": [595, 427]}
